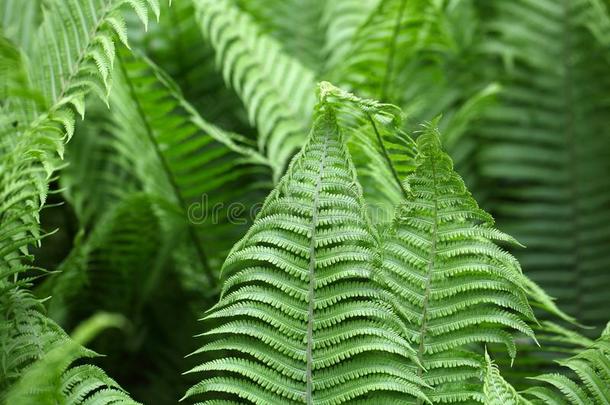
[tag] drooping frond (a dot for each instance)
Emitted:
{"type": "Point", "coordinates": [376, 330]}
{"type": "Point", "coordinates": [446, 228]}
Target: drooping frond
{"type": "Point", "coordinates": [454, 285]}
{"type": "Point", "coordinates": [206, 178]}
{"type": "Point", "coordinates": [177, 45]}
{"type": "Point", "coordinates": [544, 146]}
{"type": "Point", "coordinates": [300, 319]}
{"type": "Point", "coordinates": [276, 89]}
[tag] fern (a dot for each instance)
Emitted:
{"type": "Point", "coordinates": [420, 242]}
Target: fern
{"type": "Point", "coordinates": [496, 390]}
{"type": "Point", "coordinates": [584, 380]}
{"type": "Point", "coordinates": [299, 314]}
{"type": "Point", "coordinates": [455, 286]}
{"type": "Point", "coordinates": [592, 373]}
{"type": "Point", "coordinates": [342, 20]}
{"type": "Point", "coordinates": [543, 138]}
{"type": "Point", "coordinates": [276, 90]}
{"type": "Point", "coordinates": [64, 67]}
{"type": "Point", "coordinates": [192, 160]}
{"type": "Point", "coordinates": [55, 383]}
{"type": "Point", "coordinates": [296, 24]}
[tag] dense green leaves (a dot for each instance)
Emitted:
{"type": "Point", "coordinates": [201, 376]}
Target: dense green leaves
{"type": "Point", "coordinates": [300, 316]}
{"type": "Point", "coordinates": [370, 274]}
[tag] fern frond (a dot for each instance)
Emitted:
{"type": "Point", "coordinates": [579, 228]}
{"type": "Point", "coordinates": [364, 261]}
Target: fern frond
{"type": "Point", "coordinates": [296, 24]}
{"type": "Point", "coordinates": [49, 380]}
{"type": "Point", "coordinates": [543, 149]}
{"type": "Point", "coordinates": [299, 315]}
{"type": "Point", "coordinates": [381, 48]}
{"type": "Point", "coordinates": [276, 89]}
{"type": "Point", "coordinates": [454, 284]}
{"type": "Point", "coordinates": [496, 390]}
{"type": "Point", "coordinates": [380, 149]}
{"type": "Point", "coordinates": [207, 178]}
{"type": "Point", "coordinates": [342, 20]}
{"type": "Point", "coordinates": [122, 250]}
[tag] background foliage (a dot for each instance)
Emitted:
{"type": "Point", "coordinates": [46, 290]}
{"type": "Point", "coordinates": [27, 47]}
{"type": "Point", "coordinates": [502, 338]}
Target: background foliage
{"type": "Point", "coordinates": [139, 139]}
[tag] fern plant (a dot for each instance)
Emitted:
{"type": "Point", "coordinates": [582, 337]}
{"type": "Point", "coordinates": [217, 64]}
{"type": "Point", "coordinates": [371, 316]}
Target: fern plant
{"type": "Point", "coordinates": [369, 274]}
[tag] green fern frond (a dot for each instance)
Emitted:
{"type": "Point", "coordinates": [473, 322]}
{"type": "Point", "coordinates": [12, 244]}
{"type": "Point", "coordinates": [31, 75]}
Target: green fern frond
{"type": "Point", "coordinates": [200, 172]}
{"type": "Point", "coordinates": [296, 24]}
{"type": "Point", "coordinates": [381, 48]}
{"type": "Point", "coordinates": [299, 315]}
{"type": "Point", "coordinates": [276, 89]}
{"type": "Point", "coordinates": [121, 251]}
{"type": "Point", "coordinates": [380, 149]}
{"type": "Point", "coordinates": [342, 20]}
{"type": "Point", "coordinates": [454, 285]}
{"type": "Point", "coordinates": [496, 390]}
{"type": "Point", "coordinates": [49, 381]}
{"type": "Point", "coordinates": [543, 138]}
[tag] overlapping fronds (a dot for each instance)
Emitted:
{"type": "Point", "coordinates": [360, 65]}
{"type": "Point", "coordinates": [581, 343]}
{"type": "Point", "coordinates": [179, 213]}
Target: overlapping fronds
{"type": "Point", "coordinates": [277, 90]}
{"type": "Point", "coordinates": [544, 146]}
{"type": "Point", "coordinates": [341, 20]}
{"type": "Point", "coordinates": [122, 251]}
{"type": "Point", "coordinates": [455, 285]}
{"type": "Point", "coordinates": [99, 173]}
{"type": "Point", "coordinates": [74, 50]}
{"type": "Point", "coordinates": [300, 319]}
{"type": "Point", "coordinates": [49, 381]}
{"type": "Point", "coordinates": [207, 178]}
{"type": "Point", "coordinates": [177, 45]}
{"type": "Point", "coordinates": [64, 67]}
{"type": "Point", "coordinates": [583, 380]}
{"type": "Point", "coordinates": [383, 154]}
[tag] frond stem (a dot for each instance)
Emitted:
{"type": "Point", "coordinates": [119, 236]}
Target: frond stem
{"type": "Point", "coordinates": [386, 156]}
{"type": "Point", "coordinates": [312, 279]}
{"type": "Point", "coordinates": [431, 260]}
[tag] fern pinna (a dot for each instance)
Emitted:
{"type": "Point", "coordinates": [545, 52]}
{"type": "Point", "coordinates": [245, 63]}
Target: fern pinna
{"type": "Point", "coordinates": [300, 316]}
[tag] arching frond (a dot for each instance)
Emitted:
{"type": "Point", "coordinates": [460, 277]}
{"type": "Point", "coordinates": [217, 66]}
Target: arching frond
{"type": "Point", "coordinates": [207, 178]}
{"type": "Point", "coordinates": [276, 89]}
{"type": "Point", "coordinates": [177, 45]}
{"type": "Point", "coordinates": [300, 318]}
{"type": "Point", "coordinates": [74, 49]}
